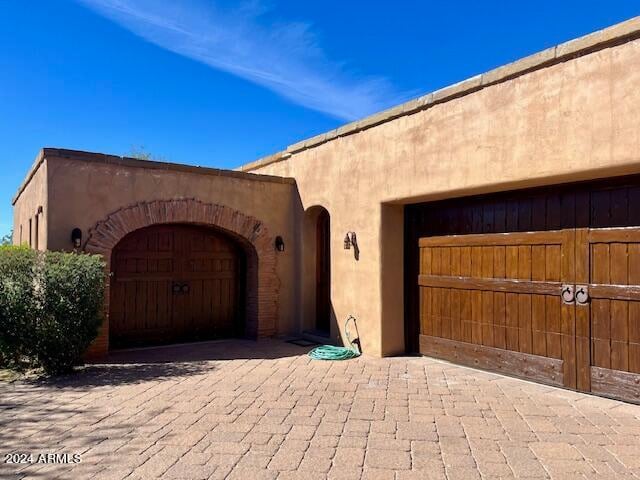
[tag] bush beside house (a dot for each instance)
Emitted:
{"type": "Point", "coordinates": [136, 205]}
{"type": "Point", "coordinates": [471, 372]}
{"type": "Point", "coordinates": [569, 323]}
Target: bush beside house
{"type": "Point", "coordinates": [50, 307]}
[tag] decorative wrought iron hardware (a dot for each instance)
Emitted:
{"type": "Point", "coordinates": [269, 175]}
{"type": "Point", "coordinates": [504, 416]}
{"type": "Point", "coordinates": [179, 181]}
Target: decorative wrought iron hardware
{"type": "Point", "coordinates": [582, 294]}
{"type": "Point", "coordinates": [180, 288]}
{"type": "Point", "coordinates": [568, 295]}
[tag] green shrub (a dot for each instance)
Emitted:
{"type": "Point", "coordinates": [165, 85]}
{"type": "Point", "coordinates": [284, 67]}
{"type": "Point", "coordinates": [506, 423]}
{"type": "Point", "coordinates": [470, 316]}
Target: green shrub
{"type": "Point", "coordinates": [72, 307]}
{"type": "Point", "coordinates": [50, 307]}
{"type": "Point", "coordinates": [18, 303]}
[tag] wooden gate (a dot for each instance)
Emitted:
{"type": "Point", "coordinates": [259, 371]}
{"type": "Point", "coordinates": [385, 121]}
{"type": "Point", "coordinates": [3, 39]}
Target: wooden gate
{"type": "Point", "coordinates": [612, 289]}
{"type": "Point", "coordinates": [543, 284]}
{"type": "Point", "coordinates": [501, 293]}
{"type": "Point", "coordinates": [174, 283]}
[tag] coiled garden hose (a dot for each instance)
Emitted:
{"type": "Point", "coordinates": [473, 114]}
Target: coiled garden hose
{"type": "Point", "coordinates": [331, 352]}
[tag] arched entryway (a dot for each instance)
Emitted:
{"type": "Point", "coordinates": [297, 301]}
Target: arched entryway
{"type": "Point", "coordinates": [323, 272]}
{"type": "Point", "coordinates": [250, 234]}
{"type": "Point", "coordinates": [317, 272]}
{"type": "Point", "coordinates": [176, 283]}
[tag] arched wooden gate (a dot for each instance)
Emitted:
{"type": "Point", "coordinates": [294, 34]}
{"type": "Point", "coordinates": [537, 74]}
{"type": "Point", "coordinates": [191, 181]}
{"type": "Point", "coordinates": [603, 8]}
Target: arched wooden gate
{"type": "Point", "coordinates": [175, 283]}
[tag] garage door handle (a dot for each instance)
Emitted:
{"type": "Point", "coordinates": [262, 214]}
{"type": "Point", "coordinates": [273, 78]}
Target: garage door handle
{"type": "Point", "coordinates": [582, 295]}
{"type": "Point", "coordinates": [180, 288]}
{"type": "Point", "coordinates": [567, 294]}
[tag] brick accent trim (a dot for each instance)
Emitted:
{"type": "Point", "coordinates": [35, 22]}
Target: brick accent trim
{"type": "Point", "coordinates": [262, 281]}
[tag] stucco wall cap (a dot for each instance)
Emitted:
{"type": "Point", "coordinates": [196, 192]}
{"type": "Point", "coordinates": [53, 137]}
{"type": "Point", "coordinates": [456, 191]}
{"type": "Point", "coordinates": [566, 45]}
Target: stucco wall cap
{"type": "Point", "coordinates": [417, 104]}
{"type": "Point", "coordinates": [457, 88]}
{"type": "Point", "coordinates": [515, 68]}
{"type": "Point", "coordinates": [611, 36]}
{"type": "Point", "coordinates": [32, 171]}
{"type": "Point", "coordinates": [296, 147]}
{"type": "Point", "coordinates": [381, 117]}
{"type": "Point", "coordinates": [347, 129]}
{"type": "Point", "coordinates": [604, 36]}
{"type": "Point", "coordinates": [261, 162]}
{"type": "Point", "coordinates": [317, 140]}
{"type": "Point", "coordinates": [331, 134]}
{"type": "Point", "coordinates": [52, 154]}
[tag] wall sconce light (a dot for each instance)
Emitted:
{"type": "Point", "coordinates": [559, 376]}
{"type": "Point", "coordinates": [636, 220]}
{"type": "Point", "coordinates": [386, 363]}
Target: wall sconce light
{"type": "Point", "coordinates": [76, 237]}
{"type": "Point", "coordinates": [350, 239]}
{"type": "Point", "coordinates": [279, 244]}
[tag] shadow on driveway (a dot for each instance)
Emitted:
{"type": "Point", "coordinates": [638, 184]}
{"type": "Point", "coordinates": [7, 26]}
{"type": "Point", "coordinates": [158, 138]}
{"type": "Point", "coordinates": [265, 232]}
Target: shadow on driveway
{"type": "Point", "coordinates": [157, 363]}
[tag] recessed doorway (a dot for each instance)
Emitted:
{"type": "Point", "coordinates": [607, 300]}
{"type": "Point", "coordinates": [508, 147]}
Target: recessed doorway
{"type": "Point", "coordinates": [323, 273]}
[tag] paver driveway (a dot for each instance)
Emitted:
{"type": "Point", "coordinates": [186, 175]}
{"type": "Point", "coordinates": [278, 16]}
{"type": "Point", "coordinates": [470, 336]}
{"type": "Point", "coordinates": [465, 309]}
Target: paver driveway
{"type": "Point", "coordinates": [246, 410]}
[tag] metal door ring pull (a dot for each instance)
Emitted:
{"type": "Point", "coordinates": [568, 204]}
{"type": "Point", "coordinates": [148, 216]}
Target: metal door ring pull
{"type": "Point", "coordinates": [582, 294]}
{"type": "Point", "coordinates": [567, 294]}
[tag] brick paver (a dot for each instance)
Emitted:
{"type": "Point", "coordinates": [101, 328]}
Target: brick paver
{"type": "Point", "coordinates": [239, 409]}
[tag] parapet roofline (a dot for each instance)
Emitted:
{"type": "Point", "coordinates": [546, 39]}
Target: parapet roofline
{"type": "Point", "coordinates": [49, 153]}
{"type": "Point", "coordinates": [609, 37]}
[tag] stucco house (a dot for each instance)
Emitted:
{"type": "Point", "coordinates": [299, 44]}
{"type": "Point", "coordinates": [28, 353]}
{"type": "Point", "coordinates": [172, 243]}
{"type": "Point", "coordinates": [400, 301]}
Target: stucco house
{"type": "Point", "coordinates": [493, 223]}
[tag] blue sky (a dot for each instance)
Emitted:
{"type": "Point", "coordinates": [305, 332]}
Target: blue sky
{"type": "Point", "coordinates": [221, 83]}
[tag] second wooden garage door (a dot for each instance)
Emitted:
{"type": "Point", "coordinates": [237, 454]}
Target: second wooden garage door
{"type": "Point", "coordinates": [492, 272]}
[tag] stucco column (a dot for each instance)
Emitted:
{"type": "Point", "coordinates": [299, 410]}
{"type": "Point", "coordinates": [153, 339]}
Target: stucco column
{"type": "Point", "coordinates": [392, 280]}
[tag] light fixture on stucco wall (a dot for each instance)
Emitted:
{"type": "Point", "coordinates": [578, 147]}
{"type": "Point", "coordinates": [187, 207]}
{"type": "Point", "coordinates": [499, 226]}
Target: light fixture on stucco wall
{"type": "Point", "coordinates": [350, 239]}
{"type": "Point", "coordinates": [76, 237]}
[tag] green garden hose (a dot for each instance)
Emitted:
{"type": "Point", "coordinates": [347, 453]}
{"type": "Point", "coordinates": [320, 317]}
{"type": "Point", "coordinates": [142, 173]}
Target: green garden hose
{"type": "Point", "coordinates": [331, 352]}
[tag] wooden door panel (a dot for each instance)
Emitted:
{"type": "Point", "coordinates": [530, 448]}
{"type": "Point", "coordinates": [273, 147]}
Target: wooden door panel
{"type": "Point", "coordinates": [613, 255]}
{"type": "Point", "coordinates": [149, 263]}
{"type": "Point", "coordinates": [500, 291]}
{"type": "Point", "coordinates": [533, 367]}
{"type": "Point", "coordinates": [582, 315]}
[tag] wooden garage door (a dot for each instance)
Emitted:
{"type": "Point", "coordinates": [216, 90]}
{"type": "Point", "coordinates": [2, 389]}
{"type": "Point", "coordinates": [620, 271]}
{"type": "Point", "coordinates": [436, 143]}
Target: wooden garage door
{"type": "Point", "coordinates": [172, 284]}
{"type": "Point", "coordinates": [502, 292]}
{"type": "Point", "coordinates": [491, 271]}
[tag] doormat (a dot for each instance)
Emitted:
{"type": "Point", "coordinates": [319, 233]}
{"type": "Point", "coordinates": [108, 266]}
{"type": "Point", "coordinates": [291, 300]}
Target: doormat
{"type": "Point", "coordinates": [301, 342]}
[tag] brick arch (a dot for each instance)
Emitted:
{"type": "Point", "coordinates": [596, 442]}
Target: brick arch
{"type": "Point", "coordinates": [249, 232]}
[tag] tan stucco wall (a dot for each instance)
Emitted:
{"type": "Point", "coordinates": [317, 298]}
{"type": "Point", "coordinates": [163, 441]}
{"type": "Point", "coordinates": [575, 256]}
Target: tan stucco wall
{"type": "Point", "coordinates": [574, 120]}
{"type": "Point", "coordinates": [568, 113]}
{"type": "Point", "coordinates": [27, 206]}
{"type": "Point", "coordinates": [85, 192]}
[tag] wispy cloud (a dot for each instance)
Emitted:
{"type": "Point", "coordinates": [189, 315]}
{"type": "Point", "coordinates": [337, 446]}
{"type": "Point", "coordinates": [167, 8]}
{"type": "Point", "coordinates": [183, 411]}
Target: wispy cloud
{"type": "Point", "coordinates": [284, 57]}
